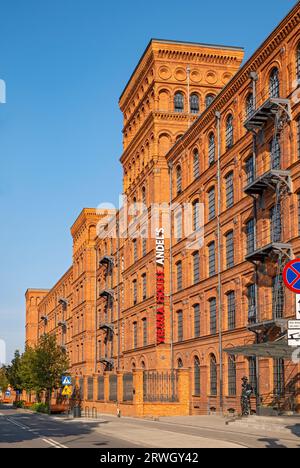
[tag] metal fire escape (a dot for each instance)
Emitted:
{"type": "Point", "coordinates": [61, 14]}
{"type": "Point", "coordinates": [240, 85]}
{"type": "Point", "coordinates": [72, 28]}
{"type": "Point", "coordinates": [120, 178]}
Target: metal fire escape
{"type": "Point", "coordinates": [108, 263]}
{"type": "Point", "coordinates": [276, 181]}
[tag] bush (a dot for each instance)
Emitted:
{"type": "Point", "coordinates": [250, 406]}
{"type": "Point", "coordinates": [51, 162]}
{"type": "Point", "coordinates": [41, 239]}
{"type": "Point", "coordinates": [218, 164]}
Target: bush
{"type": "Point", "coordinates": [19, 404]}
{"type": "Point", "coordinates": [39, 408]}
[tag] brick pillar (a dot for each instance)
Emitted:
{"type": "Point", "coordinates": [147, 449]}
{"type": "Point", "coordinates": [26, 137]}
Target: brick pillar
{"type": "Point", "coordinates": [106, 387]}
{"type": "Point", "coordinates": [138, 393]}
{"type": "Point", "coordinates": [120, 386]}
{"type": "Point", "coordinates": [184, 390]}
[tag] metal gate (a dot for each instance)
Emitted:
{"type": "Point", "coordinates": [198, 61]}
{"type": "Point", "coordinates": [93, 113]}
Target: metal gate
{"type": "Point", "coordinates": [100, 396]}
{"type": "Point", "coordinates": [128, 387]}
{"type": "Point", "coordinates": [90, 389]}
{"type": "Point", "coordinates": [113, 385]}
{"type": "Point", "coordinates": [160, 386]}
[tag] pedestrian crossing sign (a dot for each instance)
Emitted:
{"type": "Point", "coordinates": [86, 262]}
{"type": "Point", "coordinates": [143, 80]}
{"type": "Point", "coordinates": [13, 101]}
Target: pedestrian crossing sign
{"type": "Point", "coordinates": [67, 391]}
{"type": "Point", "coordinates": [66, 381]}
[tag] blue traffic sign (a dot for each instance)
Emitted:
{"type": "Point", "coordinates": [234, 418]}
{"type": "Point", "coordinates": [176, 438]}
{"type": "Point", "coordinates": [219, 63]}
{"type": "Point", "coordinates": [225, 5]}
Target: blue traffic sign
{"type": "Point", "coordinates": [7, 393]}
{"type": "Point", "coordinates": [291, 276]}
{"type": "Point", "coordinates": [66, 380]}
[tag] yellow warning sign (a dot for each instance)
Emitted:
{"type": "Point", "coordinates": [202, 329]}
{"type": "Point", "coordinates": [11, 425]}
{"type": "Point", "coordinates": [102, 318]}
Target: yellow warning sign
{"type": "Point", "coordinates": [67, 391]}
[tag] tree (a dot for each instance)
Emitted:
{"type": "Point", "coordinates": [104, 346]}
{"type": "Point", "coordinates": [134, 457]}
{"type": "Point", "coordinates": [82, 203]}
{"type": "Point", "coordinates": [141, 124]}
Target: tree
{"type": "Point", "coordinates": [13, 373]}
{"type": "Point", "coordinates": [50, 362]}
{"type": "Point", "coordinates": [27, 372]}
{"type": "Point", "coordinates": [3, 379]}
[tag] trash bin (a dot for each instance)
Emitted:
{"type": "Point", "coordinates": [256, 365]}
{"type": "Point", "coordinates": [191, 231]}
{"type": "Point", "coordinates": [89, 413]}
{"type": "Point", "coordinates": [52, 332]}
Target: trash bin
{"type": "Point", "coordinates": [76, 412]}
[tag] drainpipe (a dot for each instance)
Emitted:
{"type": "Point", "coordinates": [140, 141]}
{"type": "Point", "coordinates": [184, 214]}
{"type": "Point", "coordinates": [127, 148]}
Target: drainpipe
{"type": "Point", "coordinates": [119, 295]}
{"type": "Point", "coordinates": [171, 265]}
{"type": "Point", "coordinates": [220, 321]}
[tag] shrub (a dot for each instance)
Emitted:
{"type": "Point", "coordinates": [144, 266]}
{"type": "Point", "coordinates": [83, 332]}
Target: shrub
{"type": "Point", "coordinates": [39, 408]}
{"type": "Point", "coordinates": [19, 404]}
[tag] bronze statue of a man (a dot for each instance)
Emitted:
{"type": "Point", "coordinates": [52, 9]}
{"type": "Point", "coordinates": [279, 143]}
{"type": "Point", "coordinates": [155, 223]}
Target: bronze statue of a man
{"type": "Point", "coordinates": [247, 391]}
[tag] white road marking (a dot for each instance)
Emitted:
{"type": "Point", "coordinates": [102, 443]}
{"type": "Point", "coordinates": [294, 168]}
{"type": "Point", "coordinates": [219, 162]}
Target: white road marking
{"type": "Point", "coordinates": [51, 442]}
{"type": "Point", "coordinates": [58, 443]}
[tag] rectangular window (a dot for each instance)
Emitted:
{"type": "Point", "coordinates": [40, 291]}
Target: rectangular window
{"type": "Point", "coordinates": [135, 252]}
{"type": "Point", "coordinates": [196, 215]}
{"type": "Point", "coordinates": [275, 223]}
{"type": "Point", "coordinates": [144, 277]}
{"type": "Point", "coordinates": [250, 170]}
{"type": "Point", "coordinates": [135, 335]}
{"type": "Point", "coordinates": [211, 204]}
{"type": "Point", "coordinates": [178, 221]}
{"type": "Point", "coordinates": [230, 249]}
{"type": "Point", "coordinates": [229, 191]}
{"type": "Point", "coordinates": [145, 332]}
{"type": "Point", "coordinates": [135, 292]}
{"type": "Point", "coordinates": [196, 267]}
{"type": "Point", "coordinates": [231, 376]}
{"type": "Point", "coordinates": [252, 311]}
{"type": "Point", "coordinates": [213, 316]}
{"type": "Point", "coordinates": [179, 276]}
{"type": "Point", "coordinates": [212, 259]}
{"type": "Point", "coordinates": [196, 165]}
{"type": "Point", "coordinates": [253, 374]}
{"type": "Point", "coordinates": [180, 326]}
{"type": "Point", "coordinates": [250, 232]}
{"type": "Point", "coordinates": [231, 311]}
{"type": "Point", "coordinates": [277, 297]}
{"type": "Point", "coordinates": [279, 377]}
{"type": "Point", "coordinates": [197, 321]}
{"type": "Point", "coordinates": [275, 151]}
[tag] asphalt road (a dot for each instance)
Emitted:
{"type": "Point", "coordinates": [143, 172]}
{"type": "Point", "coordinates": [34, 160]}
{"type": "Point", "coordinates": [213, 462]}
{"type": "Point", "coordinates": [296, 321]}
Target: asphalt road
{"type": "Point", "coordinates": [27, 430]}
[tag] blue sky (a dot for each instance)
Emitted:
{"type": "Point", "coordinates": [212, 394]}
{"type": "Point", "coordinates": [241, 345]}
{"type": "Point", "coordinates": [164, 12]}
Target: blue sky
{"type": "Point", "coordinates": [65, 64]}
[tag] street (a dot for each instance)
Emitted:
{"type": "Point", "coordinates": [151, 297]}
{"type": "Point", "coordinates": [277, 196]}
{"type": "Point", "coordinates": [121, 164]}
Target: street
{"type": "Point", "coordinates": [20, 429]}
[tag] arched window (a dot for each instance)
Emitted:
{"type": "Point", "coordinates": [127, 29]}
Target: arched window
{"type": "Point", "coordinates": [179, 102]}
{"type": "Point", "coordinates": [298, 63]}
{"type": "Point", "coordinates": [194, 104]}
{"type": "Point", "coordinates": [179, 180]}
{"type": "Point", "coordinates": [211, 149]}
{"type": "Point", "coordinates": [213, 376]}
{"type": "Point", "coordinates": [231, 376]}
{"type": "Point", "coordinates": [229, 131]}
{"type": "Point", "coordinates": [196, 215]}
{"type": "Point", "coordinates": [179, 363]}
{"type": "Point", "coordinates": [197, 327]}
{"type": "Point", "coordinates": [196, 376]}
{"type": "Point", "coordinates": [144, 198]}
{"type": "Point", "coordinates": [274, 83]}
{"type": "Point", "coordinates": [196, 164]}
{"type": "Point", "coordinates": [249, 105]}
{"type": "Point", "coordinates": [231, 315]}
{"type": "Point", "coordinates": [209, 99]}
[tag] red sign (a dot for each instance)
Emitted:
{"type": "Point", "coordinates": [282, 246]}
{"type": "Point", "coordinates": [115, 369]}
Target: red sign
{"type": "Point", "coordinates": [160, 286]}
{"type": "Point", "coordinates": [291, 276]}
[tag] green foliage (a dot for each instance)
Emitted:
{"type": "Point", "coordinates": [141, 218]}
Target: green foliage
{"type": "Point", "coordinates": [3, 379]}
{"type": "Point", "coordinates": [13, 373]}
{"type": "Point", "coordinates": [39, 408]}
{"type": "Point", "coordinates": [19, 404]}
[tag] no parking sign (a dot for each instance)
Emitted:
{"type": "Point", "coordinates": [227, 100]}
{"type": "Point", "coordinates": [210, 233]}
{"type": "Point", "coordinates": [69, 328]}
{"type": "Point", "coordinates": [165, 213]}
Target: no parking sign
{"type": "Point", "coordinates": [291, 276]}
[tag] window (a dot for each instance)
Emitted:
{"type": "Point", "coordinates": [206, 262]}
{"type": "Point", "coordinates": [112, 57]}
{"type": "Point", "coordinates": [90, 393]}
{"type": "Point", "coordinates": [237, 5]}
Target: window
{"type": "Point", "coordinates": [196, 320]}
{"type": "Point", "coordinates": [179, 363]}
{"type": "Point", "coordinates": [253, 373]}
{"type": "Point", "coordinates": [274, 84]}
{"type": "Point", "coordinates": [178, 225]}
{"type": "Point", "coordinates": [145, 332]}
{"type": "Point", "coordinates": [144, 244]}
{"type": "Point", "coordinates": [249, 105]}
{"type": "Point", "coordinates": [179, 276]}
{"type": "Point", "coordinates": [275, 151]}
{"type": "Point", "coordinates": [135, 296]}
{"type": "Point", "coordinates": [144, 198]}
{"type": "Point", "coordinates": [230, 250]}
{"type": "Point", "coordinates": [196, 165]}
{"type": "Point", "coordinates": [213, 376]}
{"type": "Point", "coordinates": [275, 223]}
{"type": "Point", "coordinates": [212, 259]}
{"type": "Point", "coordinates": [194, 104]}
{"type": "Point", "coordinates": [135, 335]}
{"type": "Point", "coordinates": [251, 294]}
{"type": "Point", "coordinates": [197, 389]}
{"type": "Point", "coordinates": [279, 377]}
{"type": "Point", "coordinates": [250, 232]}
{"type": "Point", "coordinates": [211, 149]}
{"type": "Point", "coordinates": [211, 204]}
{"type": "Point", "coordinates": [231, 376]}
{"type": "Point", "coordinates": [229, 190]}
{"type": "Point", "coordinates": [179, 102]}
{"type": "Point", "coordinates": [213, 316]}
{"type": "Point", "coordinates": [196, 215]}
{"type": "Point", "coordinates": [135, 252]}
{"type": "Point", "coordinates": [179, 180]}
{"type": "Point", "coordinates": [277, 297]}
{"type": "Point", "coordinates": [250, 170]}
{"type": "Point", "coordinates": [196, 267]}
{"type": "Point", "coordinates": [180, 326]}
{"type": "Point", "coordinates": [144, 279]}
{"type": "Point", "coordinates": [229, 132]}
{"type": "Point", "coordinates": [298, 63]}
{"type": "Point", "coordinates": [298, 134]}
{"type": "Point", "coordinates": [231, 310]}
{"type": "Point", "coordinates": [209, 99]}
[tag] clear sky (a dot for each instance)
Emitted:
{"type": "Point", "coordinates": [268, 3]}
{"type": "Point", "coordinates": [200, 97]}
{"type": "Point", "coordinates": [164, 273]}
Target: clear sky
{"type": "Point", "coordinates": [65, 64]}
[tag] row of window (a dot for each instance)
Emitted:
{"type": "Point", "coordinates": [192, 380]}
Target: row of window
{"type": "Point", "coordinates": [194, 102]}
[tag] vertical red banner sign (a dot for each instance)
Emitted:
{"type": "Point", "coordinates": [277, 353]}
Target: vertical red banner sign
{"type": "Point", "coordinates": [160, 286]}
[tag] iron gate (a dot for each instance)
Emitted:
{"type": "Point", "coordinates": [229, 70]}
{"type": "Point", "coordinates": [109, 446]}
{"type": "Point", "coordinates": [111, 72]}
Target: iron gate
{"type": "Point", "coordinates": [113, 385]}
{"type": "Point", "coordinates": [160, 386]}
{"type": "Point", "coordinates": [128, 387]}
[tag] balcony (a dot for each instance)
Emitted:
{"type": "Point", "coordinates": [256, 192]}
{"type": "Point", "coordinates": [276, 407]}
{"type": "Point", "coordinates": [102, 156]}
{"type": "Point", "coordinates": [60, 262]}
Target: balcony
{"type": "Point", "coordinates": [108, 327]}
{"type": "Point", "coordinates": [107, 260]}
{"type": "Point", "coordinates": [271, 108]}
{"type": "Point", "coordinates": [259, 255]}
{"type": "Point", "coordinates": [269, 180]}
{"type": "Point", "coordinates": [266, 326]}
